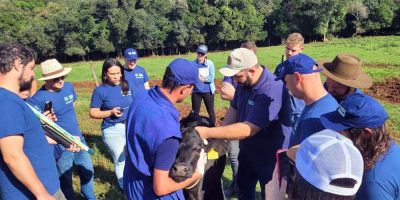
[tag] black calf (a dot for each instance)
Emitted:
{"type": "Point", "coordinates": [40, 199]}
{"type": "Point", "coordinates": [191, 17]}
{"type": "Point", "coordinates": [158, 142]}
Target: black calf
{"type": "Point", "coordinates": [210, 186]}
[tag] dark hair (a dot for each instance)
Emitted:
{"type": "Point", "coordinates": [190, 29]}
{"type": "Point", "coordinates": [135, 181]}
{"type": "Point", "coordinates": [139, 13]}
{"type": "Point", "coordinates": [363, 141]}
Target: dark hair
{"type": "Point", "coordinates": [372, 146]}
{"type": "Point", "coordinates": [11, 52]}
{"type": "Point", "coordinates": [302, 189]}
{"type": "Point", "coordinates": [169, 80]}
{"type": "Point", "coordinates": [108, 63]}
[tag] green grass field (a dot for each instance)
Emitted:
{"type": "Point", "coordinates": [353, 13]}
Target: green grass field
{"type": "Point", "coordinates": [379, 55]}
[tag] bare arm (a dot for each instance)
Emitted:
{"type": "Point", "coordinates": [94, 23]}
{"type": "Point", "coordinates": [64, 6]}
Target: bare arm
{"type": "Point", "coordinates": [230, 117]}
{"type": "Point", "coordinates": [236, 131]}
{"type": "Point", "coordinates": [163, 184]}
{"type": "Point", "coordinates": [11, 148]}
{"type": "Point", "coordinates": [99, 114]}
{"type": "Point", "coordinates": [147, 85]}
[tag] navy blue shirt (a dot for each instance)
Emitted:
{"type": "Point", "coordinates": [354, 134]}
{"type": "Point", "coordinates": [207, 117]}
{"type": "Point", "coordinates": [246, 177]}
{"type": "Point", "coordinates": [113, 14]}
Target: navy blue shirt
{"type": "Point", "coordinates": [263, 105]}
{"type": "Point", "coordinates": [18, 119]}
{"type": "Point", "coordinates": [107, 97]}
{"type": "Point", "coordinates": [152, 119]}
{"type": "Point", "coordinates": [63, 106]}
{"type": "Point", "coordinates": [136, 79]}
{"type": "Point", "coordinates": [383, 180]}
{"type": "Point", "coordinates": [309, 121]}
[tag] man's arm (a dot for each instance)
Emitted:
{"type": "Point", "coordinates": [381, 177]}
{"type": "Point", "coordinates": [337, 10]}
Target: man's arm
{"type": "Point", "coordinates": [236, 131]}
{"type": "Point", "coordinates": [11, 148]}
{"type": "Point", "coordinates": [164, 185]}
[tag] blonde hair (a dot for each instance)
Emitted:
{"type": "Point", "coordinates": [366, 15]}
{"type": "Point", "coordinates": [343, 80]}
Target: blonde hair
{"type": "Point", "coordinates": [295, 39]}
{"type": "Point", "coordinates": [250, 45]}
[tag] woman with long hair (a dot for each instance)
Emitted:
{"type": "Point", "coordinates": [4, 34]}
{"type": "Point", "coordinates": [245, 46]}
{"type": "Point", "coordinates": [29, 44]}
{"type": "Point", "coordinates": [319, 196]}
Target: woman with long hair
{"type": "Point", "coordinates": [110, 102]}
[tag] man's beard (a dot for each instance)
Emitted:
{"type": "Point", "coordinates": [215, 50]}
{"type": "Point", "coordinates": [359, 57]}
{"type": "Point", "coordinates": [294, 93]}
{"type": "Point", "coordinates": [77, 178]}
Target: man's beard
{"type": "Point", "coordinates": [248, 82]}
{"type": "Point", "coordinates": [25, 85]}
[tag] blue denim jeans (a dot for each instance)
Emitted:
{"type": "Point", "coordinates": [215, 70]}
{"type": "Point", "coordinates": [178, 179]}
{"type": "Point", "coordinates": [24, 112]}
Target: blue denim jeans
{"type": "Point", "coordinates": [233, 154]}
{"type": "Point", "coordinates": [85, 170]}
{"type": "Point", "coordinates": [114, 138]}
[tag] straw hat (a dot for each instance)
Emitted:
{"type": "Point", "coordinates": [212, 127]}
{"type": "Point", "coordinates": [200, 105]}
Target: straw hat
{"type": "Point", "coordinates": [346, 69]}
{"type": "Point", "coordinates": [52, 69]}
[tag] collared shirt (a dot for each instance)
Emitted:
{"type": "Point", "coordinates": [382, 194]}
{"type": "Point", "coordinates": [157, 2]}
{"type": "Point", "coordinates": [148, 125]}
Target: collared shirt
{"type": "Point", "coordinates": [208, 70]}
{"type": "Point", "coordinates": [136, 79]}
{"type": "Point", "coordinates": [266, 106]}
{"type": "Point", "coordinates": [18, 119]}
{"type": "Point", "coordinates": [151, 120]}
{"type": "Point", "coordinates": [107, 97]}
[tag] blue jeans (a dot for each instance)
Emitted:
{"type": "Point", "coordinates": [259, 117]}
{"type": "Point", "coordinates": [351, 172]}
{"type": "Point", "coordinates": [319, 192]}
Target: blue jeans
{"type": "Point", "coordinates": [84, 166]}
{"type": "Point", "coordinates": [114, 138]}
{"type": "Point", "coordinates": [233, 154]}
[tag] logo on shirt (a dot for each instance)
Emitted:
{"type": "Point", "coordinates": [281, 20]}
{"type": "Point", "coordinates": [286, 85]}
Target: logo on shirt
{"type": "Point", "coordinates": [250, 102]}
{"type": "Point", "coordinates": [139, 75]}
{"type": "Point", "coordinates": [69, 99]}
{"type": "Point", "coordinates": [127, 94]}
{"type": "Point", "coordinates": [341, 111]}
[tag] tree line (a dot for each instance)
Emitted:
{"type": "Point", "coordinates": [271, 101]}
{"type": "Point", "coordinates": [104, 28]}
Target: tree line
{"type": "Point", "coordinates": [90, 29]}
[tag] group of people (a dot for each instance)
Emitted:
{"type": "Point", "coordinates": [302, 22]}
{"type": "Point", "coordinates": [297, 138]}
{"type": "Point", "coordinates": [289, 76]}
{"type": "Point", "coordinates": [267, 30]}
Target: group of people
{"type": "Point", "coordinates": [333, 136]}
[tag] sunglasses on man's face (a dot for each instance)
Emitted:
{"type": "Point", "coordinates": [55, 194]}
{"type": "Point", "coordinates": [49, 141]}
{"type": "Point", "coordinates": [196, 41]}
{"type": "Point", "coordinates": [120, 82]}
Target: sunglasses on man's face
{"type": "Point", "coordinates": [202, 54]}
{"type": "Point", "coordinates": [58, 78]}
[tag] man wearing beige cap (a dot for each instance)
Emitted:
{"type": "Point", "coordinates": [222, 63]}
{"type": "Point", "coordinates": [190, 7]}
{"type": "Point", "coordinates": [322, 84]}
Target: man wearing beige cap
{"type": "Point", "coordinates": [62, 95]}
{"type": "Point", "coordinates": [258, 116]}
{"type": "Point", "coordinates": [344, 76]}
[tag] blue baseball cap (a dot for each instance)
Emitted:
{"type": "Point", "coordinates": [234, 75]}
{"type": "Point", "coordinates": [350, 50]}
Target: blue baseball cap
{"type": "Point", "coordinates": [185, 72]}
{"type": "Point", "coordinates": [202, 49]}
{"type": "Point", "coordinates": [130, 54]}
{"type": "Point", "coordinates": [356, 111]}
{"type": "Point", "coordinates": [300, 63]}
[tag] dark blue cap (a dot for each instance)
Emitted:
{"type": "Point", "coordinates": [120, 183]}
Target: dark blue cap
{"type": "Point", "coordinates": [300, 63]}
{"type": "Point", "coordinates": [185, 72]}
{"type": "Point", "coordinates": [356, 111]}
{"type": "Point", "coordinates": [130, 54]}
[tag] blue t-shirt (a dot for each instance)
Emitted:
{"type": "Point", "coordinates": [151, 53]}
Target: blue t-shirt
{"type": "Point", "coordinates": [63, 106]}
{"type": "Point", "coordinates": [208, 85]}
{"type": "Point", "coordinates": [309, 121]}
{"type": "Point", "coordinates": [383, 180]}
{"type": "Point", "coordinates": [151, 120]}
{"type": "Point", "coordinates": [18, 119]}
{"type": "Point", "coordinates": [107, 97]}
{"type": "Point", "coordinates": [136, 79]}
{"type": "Point", "coordinates": [263, 105]}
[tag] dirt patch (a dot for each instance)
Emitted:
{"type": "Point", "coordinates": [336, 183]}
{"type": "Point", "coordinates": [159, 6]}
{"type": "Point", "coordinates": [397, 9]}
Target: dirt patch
{"type": "Point", "coordinates": [380, 65]}
{"type": "Point", "coordinates": [84, 84]}
{"type": "Point", "coordinates": [388, 90]}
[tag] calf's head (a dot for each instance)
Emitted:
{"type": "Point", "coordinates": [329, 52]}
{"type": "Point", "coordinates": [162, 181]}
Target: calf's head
{"type": "Point", "coordinates": [187, 156]}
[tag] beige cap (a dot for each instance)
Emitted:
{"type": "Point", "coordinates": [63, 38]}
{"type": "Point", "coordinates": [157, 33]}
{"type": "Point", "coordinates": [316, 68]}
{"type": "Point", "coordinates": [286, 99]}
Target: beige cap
{"type": "Point", "coordinates": [52, 69]}
{"type": "Point", "coordinates": [239, 59]}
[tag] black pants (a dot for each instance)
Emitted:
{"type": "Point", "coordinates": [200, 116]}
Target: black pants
{"type": "Point", "coordinates": [208, 100]}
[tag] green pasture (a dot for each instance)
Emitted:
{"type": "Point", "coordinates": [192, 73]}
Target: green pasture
{"type": "Point", "coordinates": [380, 56]}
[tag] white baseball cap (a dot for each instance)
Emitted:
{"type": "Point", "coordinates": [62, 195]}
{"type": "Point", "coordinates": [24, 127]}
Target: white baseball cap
{"type": "Point", "coordinates": [239, 59]}
{"type": "Point", "coordinates": [326, 156]}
